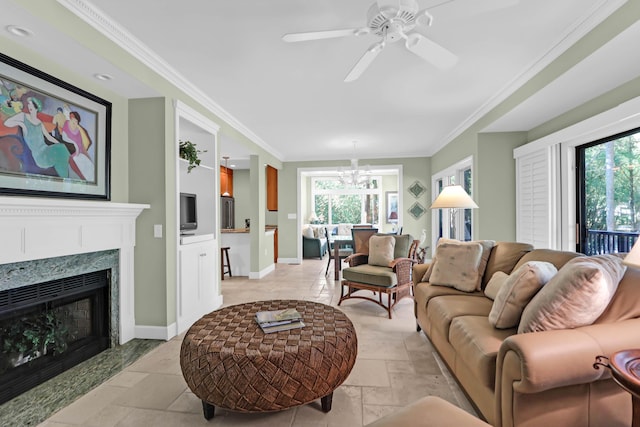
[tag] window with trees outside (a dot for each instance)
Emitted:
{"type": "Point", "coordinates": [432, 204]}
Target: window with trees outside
{"type": "Point", "coordinates": [608, 184]}
{"type": "Point", "coordinates": [335, 203]}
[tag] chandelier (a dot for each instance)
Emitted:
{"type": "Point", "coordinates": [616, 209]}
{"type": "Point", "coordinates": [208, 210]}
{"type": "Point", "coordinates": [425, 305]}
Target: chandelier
{"type": "Point", "coordinates": [354, 177]}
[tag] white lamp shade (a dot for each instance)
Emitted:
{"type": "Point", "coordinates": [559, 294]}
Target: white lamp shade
{"type": "Point", "coordinates": [455, 197]}
{"type": "Point", "coordinates": [633, 258]}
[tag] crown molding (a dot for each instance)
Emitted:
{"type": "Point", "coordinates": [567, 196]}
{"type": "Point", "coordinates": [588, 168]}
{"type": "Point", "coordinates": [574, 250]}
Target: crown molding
{"type": "Point", "coordinates": [102, 23]}
{"type": "Point", "coordinates": [595, 16]}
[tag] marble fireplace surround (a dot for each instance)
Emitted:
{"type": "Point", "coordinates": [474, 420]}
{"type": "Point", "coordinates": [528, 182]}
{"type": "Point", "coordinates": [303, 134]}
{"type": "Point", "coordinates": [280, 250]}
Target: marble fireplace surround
{"type": "Point", "coordinates": [47, 239]}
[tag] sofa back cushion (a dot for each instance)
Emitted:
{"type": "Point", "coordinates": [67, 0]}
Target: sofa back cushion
{"type": "Point", "coordinates": [381, 249]}
{"type": "Point", "coordinates": [517, 291]}
{"type": "Point", "coordinates": [576, 296]}
{"type": "Point", "coordinates": [557, 258]}
{"type": "Point", "coordinates": [503, 257]}
{"type": "Point", "coordinates": [625, 302]}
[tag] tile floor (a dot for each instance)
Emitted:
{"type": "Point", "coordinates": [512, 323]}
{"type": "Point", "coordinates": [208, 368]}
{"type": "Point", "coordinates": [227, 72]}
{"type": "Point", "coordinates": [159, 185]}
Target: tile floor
{"type": "Point", "coordinates": [395, 366]}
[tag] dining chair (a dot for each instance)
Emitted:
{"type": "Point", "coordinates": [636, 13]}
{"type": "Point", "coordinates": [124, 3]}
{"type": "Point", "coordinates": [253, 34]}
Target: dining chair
{"type": "Point", "coordinates": [343, 252]}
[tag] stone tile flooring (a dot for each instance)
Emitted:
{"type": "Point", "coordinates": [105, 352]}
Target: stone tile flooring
{"type": "Point", "coordinates": [395, 366]}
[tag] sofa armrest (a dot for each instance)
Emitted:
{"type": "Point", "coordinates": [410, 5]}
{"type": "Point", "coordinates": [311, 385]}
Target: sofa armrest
{"type": "Point", "coordinates": [418, 272]}
{"type": "Point", "coordinates": [538, 361]}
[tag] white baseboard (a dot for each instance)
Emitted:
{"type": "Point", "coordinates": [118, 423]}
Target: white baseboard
{"type": "Point", "coordinates": [288, 261]}
{"type": "Point", "coordinates": [155, 332]}
{"type": "Point", "coordinates": [262, 273]}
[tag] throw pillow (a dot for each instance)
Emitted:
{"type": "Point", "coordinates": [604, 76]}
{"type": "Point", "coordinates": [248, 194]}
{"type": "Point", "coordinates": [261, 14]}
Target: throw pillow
{"type": "Point", "coordinates": [307, 232]}
{"type": "Point", "coordinates": [517, 291]}
{"type": "Point", "coordinates": [494, 285]}
{"type": "Point", "coordinates": [576, 296]}
{"type": "Point", "coordinates": [487, 245]}
{"type": "Point", "coordinates": [457, 265]}
{"type": "Point", "coordinates": [381, 250]}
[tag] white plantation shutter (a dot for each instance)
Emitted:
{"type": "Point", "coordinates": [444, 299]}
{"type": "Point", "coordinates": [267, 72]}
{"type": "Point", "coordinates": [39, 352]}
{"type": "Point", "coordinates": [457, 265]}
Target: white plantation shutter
{"type": "Point", "coordinates": [537, 197]}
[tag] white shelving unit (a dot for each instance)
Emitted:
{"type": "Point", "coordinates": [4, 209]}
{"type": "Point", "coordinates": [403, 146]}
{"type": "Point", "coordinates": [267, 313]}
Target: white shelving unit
{"type": "Point", "coordinates": [198, 281]}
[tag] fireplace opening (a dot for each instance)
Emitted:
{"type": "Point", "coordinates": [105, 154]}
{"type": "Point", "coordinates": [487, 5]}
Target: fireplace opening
{"type": "Point", "coordinates": [47, 328]}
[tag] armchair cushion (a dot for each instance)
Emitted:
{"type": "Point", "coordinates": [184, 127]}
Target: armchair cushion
{"type": "Point", "coordinates": [576, 296]}
{"type": "Point", "coordinates": [381, 250]}
{"type": "Point", "coordinates": [371, 275]}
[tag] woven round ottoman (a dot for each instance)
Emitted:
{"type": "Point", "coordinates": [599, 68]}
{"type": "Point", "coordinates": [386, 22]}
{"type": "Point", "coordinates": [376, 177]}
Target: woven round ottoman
{"type": "Point", "coordinates": [228, 362]}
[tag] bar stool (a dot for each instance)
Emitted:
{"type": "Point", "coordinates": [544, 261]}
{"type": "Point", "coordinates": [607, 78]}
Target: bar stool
{"type": "Point", "coordinates": [225, 268]}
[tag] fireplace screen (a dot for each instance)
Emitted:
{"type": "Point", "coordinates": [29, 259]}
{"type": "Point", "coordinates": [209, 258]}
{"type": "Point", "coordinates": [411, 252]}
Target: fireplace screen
{"type": "Point", "coordinates": [49, 327]}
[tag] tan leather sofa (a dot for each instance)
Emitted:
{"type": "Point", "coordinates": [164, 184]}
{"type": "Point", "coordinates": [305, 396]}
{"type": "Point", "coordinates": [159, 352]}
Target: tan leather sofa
{"type": "Point", "coordinates": [544, 378]}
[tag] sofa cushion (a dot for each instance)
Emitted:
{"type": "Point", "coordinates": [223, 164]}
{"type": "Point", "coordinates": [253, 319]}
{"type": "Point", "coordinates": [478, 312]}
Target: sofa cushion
{"type": "Point", "coordinates": [477, 343]}
{"type": "Point", "coordinates": [624, 304]}
{"type": "Point", "coordinates": [308, 232]}
{"type": "Point", "coordinates": [443, 309]}
{"type": "Point", "coordinates": [371, 274]}
{"type": "Point", "coordinates": [503, 257]}
{"type": "Point", "coordinates": [424, 292]}
{"type": "Point", "coordinates": [494, 285]}
{"type": "Point", "coordinates": [557, 258]}
{"type": "Point", "coordinates": [517, 291]}
{"type": "Point", "coordinates": [576, 296]}
{"type": "Point", "coordinates": [381, 250]}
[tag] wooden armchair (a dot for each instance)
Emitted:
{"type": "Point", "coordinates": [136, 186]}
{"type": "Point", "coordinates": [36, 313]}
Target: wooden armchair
{"type": "Point", "coordinates": [393, 279]}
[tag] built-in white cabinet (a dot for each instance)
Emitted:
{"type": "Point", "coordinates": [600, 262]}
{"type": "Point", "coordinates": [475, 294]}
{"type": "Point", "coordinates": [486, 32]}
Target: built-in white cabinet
{"type": "Point", "coordinates": [198, 285]}
{"type": "Point", "coordinates": [198, 272]}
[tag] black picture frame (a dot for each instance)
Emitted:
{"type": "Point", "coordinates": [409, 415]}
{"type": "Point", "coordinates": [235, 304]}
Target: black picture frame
{"type": "Point", "coordinates": [55, 138]}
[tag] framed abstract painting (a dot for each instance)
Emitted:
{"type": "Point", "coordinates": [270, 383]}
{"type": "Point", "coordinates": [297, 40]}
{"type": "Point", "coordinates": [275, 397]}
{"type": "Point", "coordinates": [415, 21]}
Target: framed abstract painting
{"type": "Point", "coordinates": [55, 139]}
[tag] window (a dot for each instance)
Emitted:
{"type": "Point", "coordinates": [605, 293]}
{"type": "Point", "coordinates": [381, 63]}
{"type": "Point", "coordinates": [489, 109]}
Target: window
{"type": "Point", "coordinates": [457, 224]}
{"type": "Point", "coordinates": [334, 203]}
{"type": "Point", "coordinates": [608, 193]}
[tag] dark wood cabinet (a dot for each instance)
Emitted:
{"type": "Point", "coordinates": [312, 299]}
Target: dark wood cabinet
{"type": "Point", "coordinates": [272, 188]}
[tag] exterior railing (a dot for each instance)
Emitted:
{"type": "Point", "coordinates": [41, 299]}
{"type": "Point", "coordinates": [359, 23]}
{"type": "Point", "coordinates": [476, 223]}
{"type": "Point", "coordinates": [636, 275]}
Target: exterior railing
{"type": "Point", "coordinates": [609, 242]}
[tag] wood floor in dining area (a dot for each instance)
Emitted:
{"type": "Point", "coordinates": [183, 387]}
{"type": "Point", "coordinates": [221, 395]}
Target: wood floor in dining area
{"type": "Point", "coordinates": [395, 366]}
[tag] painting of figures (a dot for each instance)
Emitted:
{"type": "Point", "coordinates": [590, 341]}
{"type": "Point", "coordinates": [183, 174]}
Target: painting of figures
{"type": "Point", "coordinates": [54, 137]}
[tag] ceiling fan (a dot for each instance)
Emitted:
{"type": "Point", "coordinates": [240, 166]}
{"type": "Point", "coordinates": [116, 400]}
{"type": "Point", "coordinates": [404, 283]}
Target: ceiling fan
{"type": "Point", "coordinates": [391, 20]}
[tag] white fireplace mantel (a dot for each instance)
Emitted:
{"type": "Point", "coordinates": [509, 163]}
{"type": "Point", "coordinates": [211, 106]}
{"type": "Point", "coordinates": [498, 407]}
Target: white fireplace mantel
{"type": "Point", "coordinates": [37, 228]}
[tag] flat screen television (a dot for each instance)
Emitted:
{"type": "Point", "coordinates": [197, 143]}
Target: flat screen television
{"type": "Point", "coordinates": [188, 211]}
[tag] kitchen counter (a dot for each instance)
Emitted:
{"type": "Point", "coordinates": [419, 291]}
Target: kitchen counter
{"type": "Point", "coordinates": [239, 242]}
{"type": "Point", "coordinates": [245, 230]}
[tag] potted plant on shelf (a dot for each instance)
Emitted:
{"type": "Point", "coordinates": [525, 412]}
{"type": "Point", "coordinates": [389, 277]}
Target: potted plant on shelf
{"type": "Point", "coordinates": [189, 152]}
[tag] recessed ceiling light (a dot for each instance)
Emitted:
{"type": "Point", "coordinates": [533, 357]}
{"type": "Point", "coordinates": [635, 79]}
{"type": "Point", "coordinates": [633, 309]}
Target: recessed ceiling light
{"type": "Point", "coordinates": [103, 77]}
{"type": "Point", "coordinates": [19, 31]}
{"type": "Point", "coordinates": [233, 166]}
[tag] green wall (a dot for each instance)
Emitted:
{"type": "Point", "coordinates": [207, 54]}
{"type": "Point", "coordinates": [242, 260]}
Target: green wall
{"type": "Point", "coordinates": [496, 190]}
{"type": "Point", "coordinates": [146, 169]}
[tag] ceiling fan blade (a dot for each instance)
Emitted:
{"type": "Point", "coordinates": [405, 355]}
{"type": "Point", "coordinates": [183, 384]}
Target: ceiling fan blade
{"type": "Point", "coordinates": [319, 35]}
{"type": "Point", "coordinates": [430, 51]}
{"type": "Point", "coordinates": [364, 62]}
